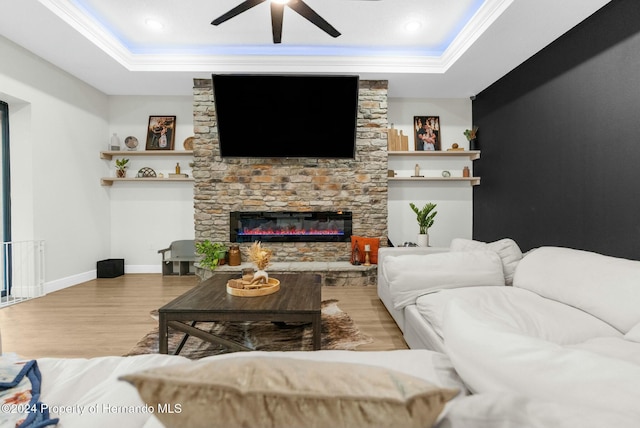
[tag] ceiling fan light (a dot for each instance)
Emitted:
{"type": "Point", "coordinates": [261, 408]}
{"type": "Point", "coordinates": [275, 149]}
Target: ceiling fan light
{"type": "Point", "coordinates": [153, 24]}
{"type": "Point", "coordinates": [412, 26]}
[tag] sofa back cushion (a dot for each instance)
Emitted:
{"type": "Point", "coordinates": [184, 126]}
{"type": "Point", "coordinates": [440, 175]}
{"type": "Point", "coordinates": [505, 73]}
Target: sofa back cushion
{"type": "Point", "coordinates": [506, 248]}
{"type": "Point", "coordinates": [412, 276]}
{"type": "Point", "coordinates": [606, 287]}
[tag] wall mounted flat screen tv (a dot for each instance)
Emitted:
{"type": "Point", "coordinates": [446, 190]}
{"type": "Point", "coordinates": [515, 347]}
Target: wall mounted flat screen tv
{"type": "Point", "coordinates": [286, 116]}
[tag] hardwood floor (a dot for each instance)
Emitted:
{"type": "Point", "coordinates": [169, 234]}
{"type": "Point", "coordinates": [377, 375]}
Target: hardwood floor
{"type": "Point", "coordinates": [109, 316]}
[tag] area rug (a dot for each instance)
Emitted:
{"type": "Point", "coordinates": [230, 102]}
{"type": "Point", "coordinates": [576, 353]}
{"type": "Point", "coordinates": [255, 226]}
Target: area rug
{"type": "Point", "coordinates": [338, 332]}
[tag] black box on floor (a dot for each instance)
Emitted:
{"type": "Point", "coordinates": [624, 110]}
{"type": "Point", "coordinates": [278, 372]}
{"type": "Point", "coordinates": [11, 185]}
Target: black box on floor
{"type": "Point", "coordinates": [110, 268]}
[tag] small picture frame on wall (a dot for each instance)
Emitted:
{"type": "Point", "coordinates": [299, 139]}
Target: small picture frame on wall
{"type": "Point", "coordinates": [161, 133]}
{"type": "Point", "coordinates": [427, 133]}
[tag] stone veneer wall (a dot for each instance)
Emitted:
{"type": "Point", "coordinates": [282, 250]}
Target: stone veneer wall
{"type": "Point", "coordinates": [358, 185]}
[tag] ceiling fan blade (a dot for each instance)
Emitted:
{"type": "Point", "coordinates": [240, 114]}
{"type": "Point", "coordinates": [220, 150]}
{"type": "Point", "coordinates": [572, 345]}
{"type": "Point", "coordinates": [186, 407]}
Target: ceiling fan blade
{"type": "Point", "coordinates": [304, 10]}
{"type": "Point", "coordinates": [242, 7]}
{"type": "Point", "coordinates": [277, 14]}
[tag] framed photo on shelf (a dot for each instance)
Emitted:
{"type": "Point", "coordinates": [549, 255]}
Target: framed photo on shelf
{"type": "Point", "coordinates": [161, 133]}
{"type": "Point", "coordinates": [427, 133]}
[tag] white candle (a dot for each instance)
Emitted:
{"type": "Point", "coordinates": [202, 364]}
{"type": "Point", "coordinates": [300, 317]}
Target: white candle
{"type": "Point", "coordinates": [367, 247]}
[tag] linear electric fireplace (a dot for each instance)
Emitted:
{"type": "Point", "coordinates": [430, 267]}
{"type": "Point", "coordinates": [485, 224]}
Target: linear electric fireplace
{"type": "Point", "coordinates": [290, 226]}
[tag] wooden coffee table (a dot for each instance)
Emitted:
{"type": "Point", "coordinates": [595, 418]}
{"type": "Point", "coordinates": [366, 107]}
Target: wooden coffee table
{"type": "Point", "coordinates": [298, 300]}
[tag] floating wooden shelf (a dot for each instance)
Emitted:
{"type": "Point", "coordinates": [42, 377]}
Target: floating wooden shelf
{"type": "Point", "coordinates": [108, 155]}
{"type": "Point", "coordinates": [471, 154]}
{"type": "Point", "coordinates": [108, 181]}
{"type": "Point", "coordinates": [474, 181]}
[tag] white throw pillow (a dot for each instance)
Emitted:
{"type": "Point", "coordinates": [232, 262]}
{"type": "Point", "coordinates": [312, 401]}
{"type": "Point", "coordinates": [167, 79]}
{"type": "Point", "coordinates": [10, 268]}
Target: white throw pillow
{"type": "Point", "coordinates": [507, 249]}
{"type": "Point", "coordinates": [411, 276]}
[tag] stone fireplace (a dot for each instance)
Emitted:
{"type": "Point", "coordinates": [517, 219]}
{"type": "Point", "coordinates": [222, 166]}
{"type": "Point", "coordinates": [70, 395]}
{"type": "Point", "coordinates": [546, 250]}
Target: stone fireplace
{"type": "Point", "coordinates": [278, 186]}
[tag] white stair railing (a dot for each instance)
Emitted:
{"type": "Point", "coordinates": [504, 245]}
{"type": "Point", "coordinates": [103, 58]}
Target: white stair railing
{"type": "Point", "coordinates": [21, 271]}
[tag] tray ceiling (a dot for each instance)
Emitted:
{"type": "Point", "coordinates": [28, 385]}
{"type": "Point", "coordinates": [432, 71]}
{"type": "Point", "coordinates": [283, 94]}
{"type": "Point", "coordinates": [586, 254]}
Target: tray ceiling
{"type": "Point", "coordinates": [459, 48]}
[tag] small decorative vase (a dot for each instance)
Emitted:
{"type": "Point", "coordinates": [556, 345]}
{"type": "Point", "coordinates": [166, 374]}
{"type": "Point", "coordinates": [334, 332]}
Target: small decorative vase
{"type": "Point", "coordinates": [473, 144]}
{"type": "Point", "coordinates": [114, 143]}
{"type": "Point", "coordinates": [121, 173]}
{"type": "Point", "coordinates": [234, 256]}
{"type": "Point", "coordinates": [423, 240]}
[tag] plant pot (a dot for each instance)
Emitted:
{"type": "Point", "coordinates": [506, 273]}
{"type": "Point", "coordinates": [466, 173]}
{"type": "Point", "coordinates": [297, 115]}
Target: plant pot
{"type": "Point", "coordinates": [473, 144]}
{"type": "Point", "coordinates": [121, 173]}
{"type": "Point", "coordinates": [222, 257]}
{"type": "Point", "coordinates": [423, 240]}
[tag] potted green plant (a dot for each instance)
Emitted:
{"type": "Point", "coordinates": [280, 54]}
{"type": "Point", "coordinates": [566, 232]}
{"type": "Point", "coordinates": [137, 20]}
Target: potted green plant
{"type": "Point", "coordinates": [425, 217]}
{"type": "Point", "coordinates": [121, 166]}
{"type": "Point", "coordinates": [213, 253]}
{"type": "Point", "coordinates": [471, 135]}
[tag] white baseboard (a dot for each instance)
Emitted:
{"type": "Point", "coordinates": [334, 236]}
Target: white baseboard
{"type": "Point", "coordinates": [143, 268]}
{"type": "Point", "coordinates": [70, 281]}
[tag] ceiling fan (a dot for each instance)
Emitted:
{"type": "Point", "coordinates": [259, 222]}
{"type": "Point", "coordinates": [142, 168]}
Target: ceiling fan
{"type": "Point", "coordinates": [277, 13]}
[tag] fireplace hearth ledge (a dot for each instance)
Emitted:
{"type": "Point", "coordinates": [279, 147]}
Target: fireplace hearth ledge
{"type": "Point", "coordinates": [332, 273]}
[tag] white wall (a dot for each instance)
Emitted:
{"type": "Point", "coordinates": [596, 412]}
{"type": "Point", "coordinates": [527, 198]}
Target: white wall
{"type": "Point", "coordinates": [454, 200]}
{"type": "Point", "coordinates": [147, 216]}
{"type": "Point", "coordinates": [57, 124]}
{"type": "Point", "coordinates": [58, 127]}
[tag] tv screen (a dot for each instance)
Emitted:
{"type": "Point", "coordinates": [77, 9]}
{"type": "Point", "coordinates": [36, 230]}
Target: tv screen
{"type": "Point", "coordinates": [296, 116]}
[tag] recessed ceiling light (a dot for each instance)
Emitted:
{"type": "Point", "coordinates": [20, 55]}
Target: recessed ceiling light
{"type": "Point", "coordinates": [152, 23]}
{"type": "Point", "coordinates": [412, 26]}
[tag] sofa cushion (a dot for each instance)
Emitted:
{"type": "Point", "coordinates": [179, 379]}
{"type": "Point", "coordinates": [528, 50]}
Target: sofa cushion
{"type": "Point", "coordinates": [633, 334]}
{"type": "Point", "coordinates": [411, 276]}
{"type": "Point", "coordinates": [268, 392]}
{"type": "Point", "coordinates": [507, 249]}
{"type": "Point", "coordinates": [614, 347]}
{"type": "Point", "coordinates": [493, 356]}
{"type": "Point", "coordinates": [530, 313]}
{"type": "Point", "coordinates": [606, 287]}
{"type": "Point", "coordinates": [513, 410]}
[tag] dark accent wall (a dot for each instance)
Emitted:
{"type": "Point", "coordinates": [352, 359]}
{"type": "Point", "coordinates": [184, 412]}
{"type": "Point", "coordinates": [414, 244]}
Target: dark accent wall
{"type": "Point", "coordinates": [560, 141]}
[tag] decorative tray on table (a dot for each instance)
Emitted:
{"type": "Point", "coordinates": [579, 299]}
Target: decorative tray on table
{"type": "Point", "coordinates": [244, 288]}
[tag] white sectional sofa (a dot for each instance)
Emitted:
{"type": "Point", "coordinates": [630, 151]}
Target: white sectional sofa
{"type": "Point", "coordinates": [560, 348]}
{"type": "Point", "coordinates": [566, 331]}
{"type": "Point", "coordinates": [402, 281]}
